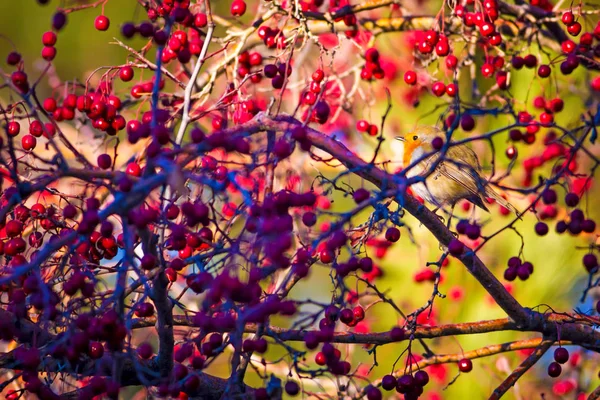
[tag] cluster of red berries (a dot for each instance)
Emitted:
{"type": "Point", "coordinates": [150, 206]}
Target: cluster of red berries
{"type": "Point", "coordinates": [177, 10]}
{"type": "Point", "coordinates": [573, 27]}
{"type": "Point", "coordinates": [482, 20]}
{"type": "Point", "coordinates": [434, 40]}
{"type": "Point", "coordinates": [36, 129]}
{"type": "Point", "coordinates": [314, 88]}
{"type": "Point", "coordinates": [271, 37]}
{"type": "Point", "coordinates": [246, 62]}
{"type": "Point", "coordinates": [103, 110]}
{"type": "Point", "coordinates": [364, 126]}
{"type": "Point", "coordinates": [519, 269]}
{"type": "Point", "coordinates": [552, 150]}
{"type": "Point", "coordinates": [491, 65]}
{"type": "Point", "coordinates": [179, 45]}
{"type": "Point", "coordinates": [311, 5]}
{"type": "Point", "coordinates": [372, 68]}
{"type": "Point", "coordinates": [49, 51]}
{"type": "Point", "coordinates": [347, 316]}
{"type": "Point", "coordinates": [330, 356]}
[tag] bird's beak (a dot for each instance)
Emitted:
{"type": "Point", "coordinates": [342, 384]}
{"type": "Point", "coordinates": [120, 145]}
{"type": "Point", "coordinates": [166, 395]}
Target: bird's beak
{"type": "Point", "coordinates": [400, 138]}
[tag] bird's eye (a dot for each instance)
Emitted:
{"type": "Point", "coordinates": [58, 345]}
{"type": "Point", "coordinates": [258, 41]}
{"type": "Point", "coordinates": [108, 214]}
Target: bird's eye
{"type": "Point", "coordinates": [415, 137]}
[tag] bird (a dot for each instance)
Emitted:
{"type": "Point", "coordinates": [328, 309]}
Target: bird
{"type": "Point", "coordinates": [455, 177]}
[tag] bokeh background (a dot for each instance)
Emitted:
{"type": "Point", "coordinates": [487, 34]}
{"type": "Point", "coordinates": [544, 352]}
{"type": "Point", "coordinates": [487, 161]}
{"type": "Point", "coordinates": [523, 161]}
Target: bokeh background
{"type": "Point", "coordinates": [559, 277]}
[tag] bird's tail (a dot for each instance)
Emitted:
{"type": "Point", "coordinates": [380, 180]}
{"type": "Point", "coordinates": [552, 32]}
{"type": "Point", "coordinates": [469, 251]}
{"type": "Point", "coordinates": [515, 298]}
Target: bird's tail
{"type": "Point", "coordinates": [489, 192]}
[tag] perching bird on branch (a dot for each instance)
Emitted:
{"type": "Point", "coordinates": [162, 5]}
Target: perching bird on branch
{"type": "Point", "coordinates": [457, 176]}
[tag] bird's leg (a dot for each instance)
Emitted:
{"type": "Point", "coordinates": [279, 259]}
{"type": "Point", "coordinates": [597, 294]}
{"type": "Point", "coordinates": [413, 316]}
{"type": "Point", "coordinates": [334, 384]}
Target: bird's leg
{"type": "Point", "coordinates": [435, 210]}
{"type": "Point", "coordinates": [451, 215]}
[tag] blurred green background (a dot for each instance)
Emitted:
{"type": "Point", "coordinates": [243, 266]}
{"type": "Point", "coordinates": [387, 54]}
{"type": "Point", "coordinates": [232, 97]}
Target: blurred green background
{"type": "Point", "coordinates": [558, 279]}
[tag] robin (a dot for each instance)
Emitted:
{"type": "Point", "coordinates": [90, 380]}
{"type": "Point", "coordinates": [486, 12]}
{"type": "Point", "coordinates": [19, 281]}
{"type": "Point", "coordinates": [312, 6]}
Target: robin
{"type": "Point", "coordinates": [456, 177]}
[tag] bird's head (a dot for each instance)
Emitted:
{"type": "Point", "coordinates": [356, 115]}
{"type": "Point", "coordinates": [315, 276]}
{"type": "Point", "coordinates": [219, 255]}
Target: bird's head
{"type": "Point", "coordinates": [418, 142]}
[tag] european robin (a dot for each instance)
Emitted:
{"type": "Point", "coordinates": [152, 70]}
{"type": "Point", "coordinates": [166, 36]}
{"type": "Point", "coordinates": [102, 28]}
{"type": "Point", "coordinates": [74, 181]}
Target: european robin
{"type": "Point", "coordinates": [456, 177]}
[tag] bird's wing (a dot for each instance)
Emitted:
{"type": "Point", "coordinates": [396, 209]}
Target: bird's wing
{"type": "Point", "coordinates": [461, 166]}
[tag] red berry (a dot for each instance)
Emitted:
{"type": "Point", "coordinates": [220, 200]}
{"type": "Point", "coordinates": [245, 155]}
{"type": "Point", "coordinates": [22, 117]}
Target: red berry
{"type": "Point", "coordinates": [126, 73]}
{"type": "Point", "coordinates": [568, 18]}
{"type": "Point", "coordinates": [487, 70]}
{"type": "Point", "coordinates": [238, 8]}
{"type": "Point", "coordinates": [442, 49]}
{"type": "Point", "coordinates": [544, 71]}
{"type": "Point", "coordinates": [574, 29]}
{"type": "Point", "coordinates": [49, 38]}
{"type": "Point", "coordinates": [318, 75]}
{"type": "Point", "coordinates": [28, 142]}
{"type": "Point", "coordinates": [36, 128]}
{"type": "Point", "coordinates": [13, 128]}
{"type": "Point", "coordinates": [568, 46]}
{"type": "Point", "coordinates": [410, 77]}
{"type": "Point", "coordinates": [373, 129]}
{"type": "Point", "coordinates": [49, 104]}
{"type": "Point", "coordinates": [372, 55]}
{"type": "Point", "coordinates": [495, 39]}
{"type": "Point", "coordinates": [451, 62]}
{"type": "Point", "coordinates": [452, 90]}
{"type": "Point", "coordinates": [486, 29]}
{"type": "Point", "coordinates": [48, 53]}
{"type": "Point", "coordinates": [465, 365]}
{"type": "Point", "coordinates": [362, 125]}
{"type": "Point", "coordinates": [438, 89]}
{"type": "Point", "coordinates": [358, 312]}
{"type": "Point", "coordinates": [102, 23]}
{"type": "Point", "coordinates": [133, 169]}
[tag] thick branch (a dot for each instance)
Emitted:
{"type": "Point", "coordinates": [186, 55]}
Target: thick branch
{"type": "Point", "coordinates": [571, 328]}
{"type": "Point", "coordinates": [210, 387]}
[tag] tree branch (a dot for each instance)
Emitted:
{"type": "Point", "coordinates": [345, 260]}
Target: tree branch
{"type": "Point", "coordinates": [509, 382]}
